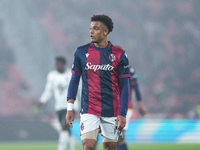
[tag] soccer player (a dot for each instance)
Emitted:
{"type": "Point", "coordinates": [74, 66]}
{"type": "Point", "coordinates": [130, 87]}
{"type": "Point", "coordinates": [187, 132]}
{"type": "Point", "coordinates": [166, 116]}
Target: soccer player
{"type": "Point", "coordinates": [121, 145]}
{"type": "Point", "coordinates": [105, 86]}
{"type": "Point", "coordinates": [57, 84]}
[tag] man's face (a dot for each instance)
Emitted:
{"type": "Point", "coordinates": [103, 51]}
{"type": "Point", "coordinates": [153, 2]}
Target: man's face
{"type": "Point", "coordinates": [60, 67]}
{"type": "Point", "coordinates": [98, 31]}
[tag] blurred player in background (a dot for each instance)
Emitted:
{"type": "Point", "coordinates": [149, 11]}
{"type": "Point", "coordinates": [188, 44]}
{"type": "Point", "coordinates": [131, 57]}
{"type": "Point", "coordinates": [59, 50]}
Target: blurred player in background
{"type": "Point", "coordinates": [57, 84]}
{"type": "Point", "coordinates": [121, 145]}
{"type": "Point", "coordinates": [105, 76]}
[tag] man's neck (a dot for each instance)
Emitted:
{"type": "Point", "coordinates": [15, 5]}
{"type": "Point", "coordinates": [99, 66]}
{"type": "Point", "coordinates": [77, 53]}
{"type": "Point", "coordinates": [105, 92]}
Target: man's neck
{"type": "Point", "coordinates": [61, 71]}
{"type": "Point", "coordinates": [102, 44]}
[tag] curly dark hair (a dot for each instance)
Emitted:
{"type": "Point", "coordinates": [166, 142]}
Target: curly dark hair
{"type": "Point", "coordinates": [106, 20]}
{"type": "Point", "coordinates": [61, 59]}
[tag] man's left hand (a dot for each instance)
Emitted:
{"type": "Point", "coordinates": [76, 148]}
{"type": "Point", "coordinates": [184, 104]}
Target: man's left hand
{"type": "Point", "coordinates": [120, 122]}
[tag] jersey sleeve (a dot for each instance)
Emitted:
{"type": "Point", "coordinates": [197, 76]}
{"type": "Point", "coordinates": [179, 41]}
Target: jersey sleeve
{"type": "Point", "coordinates": [73, 87]}
{"type": "Point", "coordinates": [47, 93]}
{"type": "Point", "coordinates": [124, 96]}
{"type": "Point", "coordinates": [123, 68]}
{"type": "Point", "coordinates": [76, 67]}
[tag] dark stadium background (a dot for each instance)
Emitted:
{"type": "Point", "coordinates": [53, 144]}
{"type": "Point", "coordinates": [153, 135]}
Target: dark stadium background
{"type": "Point", "coordinates": [161, 38]}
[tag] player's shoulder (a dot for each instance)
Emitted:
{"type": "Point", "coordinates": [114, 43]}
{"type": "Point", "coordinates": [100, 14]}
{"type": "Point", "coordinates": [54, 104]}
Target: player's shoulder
{"type": "Point", "coordinates": [132, 72]}
{"type": "Point", "coordinates": [83, 47]}
{"type": "Point", "coordinates": [68, 71]}
{"type": "Point", "coordinates": [51, 74]}
{"type": "Point", "coordinates": [81, 50]}
{"type": "Point", "coordinates": [132, 69]}
{"type": "Point", "coordinates": [117, 49]}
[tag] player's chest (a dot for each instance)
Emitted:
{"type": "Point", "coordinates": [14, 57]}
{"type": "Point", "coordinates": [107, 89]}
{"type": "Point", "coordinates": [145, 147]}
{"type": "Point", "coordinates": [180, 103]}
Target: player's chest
{"type": "Point", "coordinates": [61, 80]}
{"type": "Point", "coordinates": [104, 60]}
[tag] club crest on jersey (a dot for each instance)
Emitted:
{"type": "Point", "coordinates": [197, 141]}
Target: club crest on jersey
{"type": "Point", "coordinates": [112, 57]}
{"type": "Point", "coordinates": [87, 54]}
{"type": "Point", "coordinates": [82, 126]}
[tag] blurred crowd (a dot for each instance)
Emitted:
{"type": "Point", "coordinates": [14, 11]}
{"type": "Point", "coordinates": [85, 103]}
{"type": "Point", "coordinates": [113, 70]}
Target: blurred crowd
{"type": "Point", "coordinates": [15, 92]}
{"type": "Point", "coordinates": [161, 38]}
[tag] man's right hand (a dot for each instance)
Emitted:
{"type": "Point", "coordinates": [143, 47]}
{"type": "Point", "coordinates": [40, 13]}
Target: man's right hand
{"type": "Point", "coordinates": [70, 114]}
{"type": "Point", "coordinates": [70, 118]}
{"type": "Point", "coordinates": [142, 109]}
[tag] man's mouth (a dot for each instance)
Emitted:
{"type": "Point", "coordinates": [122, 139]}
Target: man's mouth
{"type": "Point", "coordinates": [91, 36]}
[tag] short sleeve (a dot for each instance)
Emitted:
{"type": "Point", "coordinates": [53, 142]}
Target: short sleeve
{"type": "Point", "coordinates": [123, 68]}
{"type": "Point", "coordinates": [76, 67]}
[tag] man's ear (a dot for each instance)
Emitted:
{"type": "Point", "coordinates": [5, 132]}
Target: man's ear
{"type": "Point", "coordinates": [106, 32]}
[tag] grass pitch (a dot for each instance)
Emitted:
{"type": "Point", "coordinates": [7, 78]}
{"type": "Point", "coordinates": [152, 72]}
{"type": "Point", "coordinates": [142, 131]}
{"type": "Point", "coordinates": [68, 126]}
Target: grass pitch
{"type": "Point", "coordinates": [53, 146]}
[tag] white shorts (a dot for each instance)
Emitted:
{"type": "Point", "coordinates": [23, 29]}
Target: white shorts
{"type": "Point", "coordinates": [89, 122]}
{"type": "Point", "coordinates": [128, 118]}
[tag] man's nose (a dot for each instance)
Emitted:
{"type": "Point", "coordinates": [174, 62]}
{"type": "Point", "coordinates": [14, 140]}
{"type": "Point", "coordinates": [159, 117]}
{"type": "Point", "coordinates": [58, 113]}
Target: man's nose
{"type": "Point", "coordinates": [91, 31]}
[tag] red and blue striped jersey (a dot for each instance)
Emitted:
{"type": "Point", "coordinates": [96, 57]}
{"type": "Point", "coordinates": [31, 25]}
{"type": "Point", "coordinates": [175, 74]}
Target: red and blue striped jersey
{"type": "Point", "coordinates": [101, 69]}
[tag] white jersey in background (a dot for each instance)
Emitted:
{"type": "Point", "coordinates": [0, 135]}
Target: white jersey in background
{"type": "Point", "coordinates": [57, 84]}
